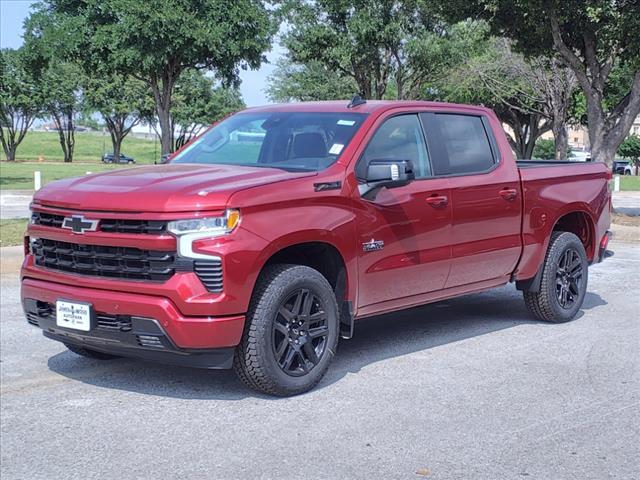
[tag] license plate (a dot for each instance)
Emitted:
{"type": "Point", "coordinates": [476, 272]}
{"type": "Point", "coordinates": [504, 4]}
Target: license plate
{"type": "Point", "coordinates": [74, 315]}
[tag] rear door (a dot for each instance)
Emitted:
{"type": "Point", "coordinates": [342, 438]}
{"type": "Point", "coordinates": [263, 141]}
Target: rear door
{"type": "Point", "coordinates": [403, 233]}
{"type": "Point", "coordinates": [485, 197]}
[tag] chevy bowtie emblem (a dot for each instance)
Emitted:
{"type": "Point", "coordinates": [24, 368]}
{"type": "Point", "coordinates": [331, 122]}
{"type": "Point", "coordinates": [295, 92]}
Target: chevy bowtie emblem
{"type": "Point", "coordinates": [373, 245]}
{"type": "Point", "coordinates": [79, 224]}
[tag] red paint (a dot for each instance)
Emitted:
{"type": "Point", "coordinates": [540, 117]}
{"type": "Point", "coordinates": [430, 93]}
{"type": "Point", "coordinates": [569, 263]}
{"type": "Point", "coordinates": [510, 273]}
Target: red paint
{"type": "Point", "coordinates": [442, 237]}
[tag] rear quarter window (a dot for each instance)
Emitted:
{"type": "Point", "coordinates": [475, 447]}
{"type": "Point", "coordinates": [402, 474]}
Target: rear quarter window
{"type": "Point", "coordinates": [466, 143]}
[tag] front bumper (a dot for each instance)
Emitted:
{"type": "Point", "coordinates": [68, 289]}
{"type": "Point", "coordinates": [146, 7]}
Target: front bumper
{"type": "Point", "coordinates": [181, 338]}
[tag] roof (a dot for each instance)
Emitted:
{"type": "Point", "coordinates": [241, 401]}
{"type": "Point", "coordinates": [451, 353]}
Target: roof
{"type": "Point", "coordinates": [342, 106]}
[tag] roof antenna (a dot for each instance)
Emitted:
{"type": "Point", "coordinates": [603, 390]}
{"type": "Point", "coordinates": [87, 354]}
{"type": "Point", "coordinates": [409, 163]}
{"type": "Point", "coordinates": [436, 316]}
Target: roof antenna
{"type": "Point", "coordinates": [356, 101]}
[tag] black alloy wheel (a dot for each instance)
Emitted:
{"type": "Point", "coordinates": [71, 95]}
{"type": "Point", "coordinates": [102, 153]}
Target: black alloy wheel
{"type": "Point", "coordinates": [569, 278]}
{"type": "Point", "coordinates": [300, 333]}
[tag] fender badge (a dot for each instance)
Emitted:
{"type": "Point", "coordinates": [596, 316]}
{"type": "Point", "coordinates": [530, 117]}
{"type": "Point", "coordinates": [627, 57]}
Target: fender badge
{"type": "Point", "coordinates": [372, 245]}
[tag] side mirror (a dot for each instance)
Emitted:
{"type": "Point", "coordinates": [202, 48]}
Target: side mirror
{"type": "Point", "coordinates": [386, 173]}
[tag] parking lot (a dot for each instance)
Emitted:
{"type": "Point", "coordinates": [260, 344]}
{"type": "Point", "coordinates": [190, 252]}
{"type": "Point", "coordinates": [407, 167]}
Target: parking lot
{"type": "Point", "coordinates": [467, 388]}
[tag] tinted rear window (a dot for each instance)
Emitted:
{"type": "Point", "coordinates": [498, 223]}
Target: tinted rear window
{"type": "Point", "coordinates": [466, 143]}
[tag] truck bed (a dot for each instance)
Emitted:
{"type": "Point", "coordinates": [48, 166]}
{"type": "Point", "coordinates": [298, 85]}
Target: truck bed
{"type": "Point", "coordinates": [552, 189]}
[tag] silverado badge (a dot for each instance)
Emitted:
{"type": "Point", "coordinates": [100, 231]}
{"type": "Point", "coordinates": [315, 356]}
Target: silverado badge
{"type": "Point", "coordinates": [373, 245]}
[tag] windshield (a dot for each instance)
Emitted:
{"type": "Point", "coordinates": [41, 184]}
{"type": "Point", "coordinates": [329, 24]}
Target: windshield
{"type": "Point", "coordinates": [308, 141]}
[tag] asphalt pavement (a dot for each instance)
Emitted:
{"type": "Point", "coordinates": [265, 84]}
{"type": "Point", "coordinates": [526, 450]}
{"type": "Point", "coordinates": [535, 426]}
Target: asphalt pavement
{"type": "Point", "coordinates": [469, 388]}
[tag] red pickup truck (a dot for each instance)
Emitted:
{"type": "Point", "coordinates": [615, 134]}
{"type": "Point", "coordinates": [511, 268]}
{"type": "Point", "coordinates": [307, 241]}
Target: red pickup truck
{"type": "Point", "coordinates": [262, 241]}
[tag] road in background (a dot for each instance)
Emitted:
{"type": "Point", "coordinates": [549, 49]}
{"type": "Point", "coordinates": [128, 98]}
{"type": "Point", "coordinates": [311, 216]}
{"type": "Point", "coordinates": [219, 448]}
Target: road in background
{"type": "Point", "coordinates": [466, 388]}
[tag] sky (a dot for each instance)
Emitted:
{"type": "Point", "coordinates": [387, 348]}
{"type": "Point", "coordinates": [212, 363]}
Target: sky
{"type": "Point", "coordinates": [14, 12]}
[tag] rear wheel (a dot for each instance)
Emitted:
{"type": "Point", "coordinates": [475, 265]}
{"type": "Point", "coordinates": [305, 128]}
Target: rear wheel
{"type": "Point", "coordinates": [291, 331]}
{"type": "Point", "coordinates": [87, 352]}
{"type": "Point", "coordinates": [564, 280]}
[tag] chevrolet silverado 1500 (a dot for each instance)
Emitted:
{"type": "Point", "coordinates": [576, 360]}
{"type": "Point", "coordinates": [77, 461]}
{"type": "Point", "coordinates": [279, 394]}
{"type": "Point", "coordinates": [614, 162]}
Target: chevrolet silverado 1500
{"type": "Point", "coordinates": [262, 241]}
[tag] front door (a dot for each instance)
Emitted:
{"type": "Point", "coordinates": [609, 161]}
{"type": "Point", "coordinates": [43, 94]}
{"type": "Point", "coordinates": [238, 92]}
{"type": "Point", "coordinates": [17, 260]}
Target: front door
{"type": "Point", "coordinates": [403, 234]}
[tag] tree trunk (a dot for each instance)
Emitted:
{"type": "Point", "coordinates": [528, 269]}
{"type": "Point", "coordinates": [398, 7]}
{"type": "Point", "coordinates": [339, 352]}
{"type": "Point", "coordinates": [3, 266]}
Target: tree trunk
{"type": "Point", "coordinates": [118, 130]}
{"type": "Point", "coordinates": [70, 137]}
{"type": "Point", "coordinates": [561, 138]}
{"type": "Point", "coordinates": [606, 130]}
{"type": "Point", "coordinates": [8, 144]}
{"type": "Point", "coordinates": [14, 131]}
{"type": "Point", "coordinates": [162, 92]}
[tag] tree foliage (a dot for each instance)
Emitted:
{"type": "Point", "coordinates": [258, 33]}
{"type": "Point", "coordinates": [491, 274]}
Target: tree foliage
{"type": "Point", "coordinates": [630, 149]}
{"type": "Point", "coordinates": [198, 102]}
{"type": "Point", "coordinates": [123, 102]}
{"type": "Point", "coordinates": [20, 100]}
{"type": "Point", "coordinates": [308, 82]}
{"type": "Point", "coordinates": [156, 41]}
{"type": "Point", "coordinates": [368, 41]}
{"type": "Point", "coordinates": [591, 37]}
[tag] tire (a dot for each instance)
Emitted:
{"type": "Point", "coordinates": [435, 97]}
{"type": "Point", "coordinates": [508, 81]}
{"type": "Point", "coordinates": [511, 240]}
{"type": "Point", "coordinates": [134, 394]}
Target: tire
{"type": "Point", "coordinates": [564, 280]}
{"type": "Point", "coordinates": [86, 352]}
{"type": "Point", "coordinates": [293, 309]}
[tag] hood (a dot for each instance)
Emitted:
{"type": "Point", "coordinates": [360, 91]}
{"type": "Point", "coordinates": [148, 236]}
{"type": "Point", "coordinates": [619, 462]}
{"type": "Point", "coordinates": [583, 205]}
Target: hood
{"type": "Point", "coordinates": [159, 188]}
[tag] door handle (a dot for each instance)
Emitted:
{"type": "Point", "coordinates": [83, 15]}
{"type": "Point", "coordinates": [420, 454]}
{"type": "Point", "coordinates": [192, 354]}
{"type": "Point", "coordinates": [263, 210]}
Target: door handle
{"type": "Point", "coordinates": [437, 201]}
{"type": "Point", "coordinates": [509, 194]}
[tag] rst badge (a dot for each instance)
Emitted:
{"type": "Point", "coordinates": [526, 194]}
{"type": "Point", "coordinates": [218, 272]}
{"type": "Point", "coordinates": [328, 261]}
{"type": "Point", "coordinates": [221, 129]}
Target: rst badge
{"type": "Point", "coordinates": [372, 245]}
{"type": "Point", "coordinates": [79, 224]}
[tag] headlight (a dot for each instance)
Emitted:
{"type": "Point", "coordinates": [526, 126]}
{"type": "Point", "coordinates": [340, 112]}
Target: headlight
{"type": "Point", "coordinates": [189, 230]}
{"type": "Point", "coordinates": [213, 226]}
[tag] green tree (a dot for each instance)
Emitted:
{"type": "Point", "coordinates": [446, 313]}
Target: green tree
{"type": "Point", "coordinates": [48, 43]}
{"type": "Point", "coordinates": [156, 41]}
{"type": "Point", "coordinates": [20, 100]}
{"type": "Point", "coordinates": [591, 37]}
{"type": "Point", "coordinates": [198, 102]}
{"type": "Point", "coordinates": [307, 82]}
{"type": "Point", "coordinates": [369, 41]}
{"type": "Point", "coordinates": [630, 148]}
{"type": "Point", "coordinates": [61, 85]}
{"type": "Point", "coordinates": [493, 75]}
{"type": "Point", "coordinates": [545, 149]}
{"type": "Point", "coordinates": [122, 101]}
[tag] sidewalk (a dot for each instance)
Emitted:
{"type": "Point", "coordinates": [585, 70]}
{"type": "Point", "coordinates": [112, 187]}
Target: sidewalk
{"type": "Point", "coordinates": [15, 204]}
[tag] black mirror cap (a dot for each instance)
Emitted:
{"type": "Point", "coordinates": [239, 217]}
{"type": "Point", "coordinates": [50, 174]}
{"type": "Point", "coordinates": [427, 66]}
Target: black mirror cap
{"type": "Point", "coordinates": [390, 173]}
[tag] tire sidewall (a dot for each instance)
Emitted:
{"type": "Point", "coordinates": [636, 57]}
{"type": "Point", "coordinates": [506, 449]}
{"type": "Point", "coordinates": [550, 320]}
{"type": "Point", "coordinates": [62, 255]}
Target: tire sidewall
{"type": "Point", "coordinates": [559, 247]}
{"type": "Point", "coordinates": [281, 288]}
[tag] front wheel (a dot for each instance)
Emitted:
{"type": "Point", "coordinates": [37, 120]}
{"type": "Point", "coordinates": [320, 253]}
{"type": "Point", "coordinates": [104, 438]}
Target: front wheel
{"type": "Point", "coordinates": [564, 280]}
{"type": "Point", "coordinates": [291, 331]}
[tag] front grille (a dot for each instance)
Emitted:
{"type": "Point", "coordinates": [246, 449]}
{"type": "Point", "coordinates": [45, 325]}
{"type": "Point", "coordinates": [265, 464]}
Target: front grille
{"type": "Point", "coordinates": [210, 274]}
{"type": "Point", "coordinates": [153, 227]}
{"type": "Point", "coordinates": [47, 219]}
{"type": "Point", "coordinates": [109, 225]}
{"type": "Point", "coordinates": [103, 261]}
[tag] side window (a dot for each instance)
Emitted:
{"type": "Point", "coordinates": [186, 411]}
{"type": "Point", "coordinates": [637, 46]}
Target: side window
{"type": "Point", "coordinates": [398, 138]}
{"type": "Point", "coordinates": [466, 143]}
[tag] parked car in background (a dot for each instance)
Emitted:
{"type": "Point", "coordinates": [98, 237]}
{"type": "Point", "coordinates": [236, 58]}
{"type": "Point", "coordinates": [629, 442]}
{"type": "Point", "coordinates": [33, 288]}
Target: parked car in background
{"type": "Point", "coordinates": [622, 167]}
{"type": "Point", "coordinates": [579, 156]}
{"type": "Point", "coordinates": [108, 158]}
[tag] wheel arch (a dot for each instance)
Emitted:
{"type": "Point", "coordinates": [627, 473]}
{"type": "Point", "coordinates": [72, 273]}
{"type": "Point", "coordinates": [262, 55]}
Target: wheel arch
{"type": "Point", "coordinates": [327, 258]}
{"type": "Point", "coordinates": [576, 220]}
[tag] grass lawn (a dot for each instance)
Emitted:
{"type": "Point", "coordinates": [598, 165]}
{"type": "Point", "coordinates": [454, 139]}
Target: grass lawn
{"type": "Point", "coordinates": [12, 232]}
{"type": "Point", "coordinates": [89, 147]}
{"type": "Point", "coordinates": [88, 151]}
{"type": "Point", "coordinates": [19, 175]}
{"type": "Point", "coordinates": [629, 183]}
